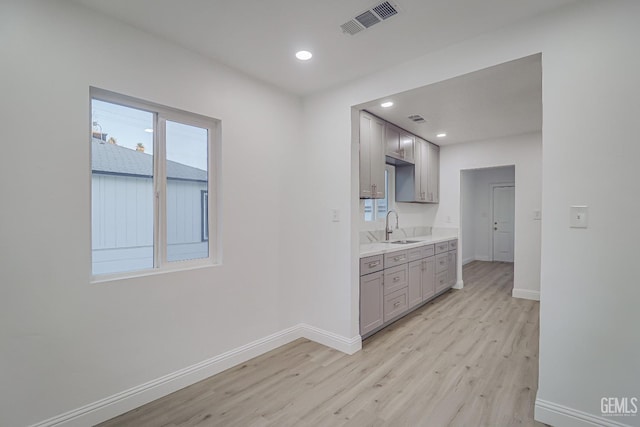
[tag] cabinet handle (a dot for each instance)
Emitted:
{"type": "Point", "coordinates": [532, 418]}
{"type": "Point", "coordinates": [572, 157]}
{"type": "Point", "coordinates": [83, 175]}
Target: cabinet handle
{"type": "Point", "coordinates": [396, 279]}
{"type": "Point", "coordinates": [398, 258]}
{"type": "Point", "coordinates": [397, 303]}
{"type": "Point", "coordinates": [374, 264]}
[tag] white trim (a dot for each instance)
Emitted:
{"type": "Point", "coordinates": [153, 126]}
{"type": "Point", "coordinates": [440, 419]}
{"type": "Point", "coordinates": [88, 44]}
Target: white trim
{"type": "Point", "coordinates": [468, 260]}
{"type": "Point", "coordinates": [340, 343]}
{"type": "Point", "coordinates": [459, 284]}
{"type": "Point", "coordinates": [119, 403]}
{"type": "Point", "coordinates": [559, 415]}
{"type": "Point", "coordinates": [525, 294]}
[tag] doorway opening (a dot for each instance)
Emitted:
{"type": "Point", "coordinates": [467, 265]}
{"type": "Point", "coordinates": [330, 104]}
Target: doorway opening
{"type": "Point", "coordinates": [487, 209]}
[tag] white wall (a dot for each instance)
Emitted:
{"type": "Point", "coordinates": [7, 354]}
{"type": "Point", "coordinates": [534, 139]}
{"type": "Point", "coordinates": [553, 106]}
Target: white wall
{"type": "Point", "coordinates": [66, 342]}
{"type": "Point", "coordinates": [467, 216]}
{"type": "Point", "coordinates": [475, 208]}
{"type": "Point", "coordinates": [589, 342]}
{"type": "Point", "coordinates": [525, 152]}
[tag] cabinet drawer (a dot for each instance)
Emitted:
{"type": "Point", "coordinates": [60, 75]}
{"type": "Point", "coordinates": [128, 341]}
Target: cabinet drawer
{"type": "Point", "coordinates": [395, 278]}
{"type": "Point", "coordinates": [396, 303]}
{"type": "Point", "coordinates": [395, 258]}
{"type": "Point", "coordinates": [442, 262]}
{"type": "Point", "coordinates": [442, 247]}
{"type": "Point", "coordinates": [428, 250]}
{"type": "Point", "coordinates": [415, 254]}
{"type": "Point", "coordinates": [371, 264]}
{"type": "Point", "coordinates": [442, 281]}
{"type": "Point", "coordinates": [453, 244]}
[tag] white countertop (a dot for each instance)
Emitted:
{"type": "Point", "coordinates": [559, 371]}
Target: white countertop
{"type": "Point", "coordinates": [370, 249]}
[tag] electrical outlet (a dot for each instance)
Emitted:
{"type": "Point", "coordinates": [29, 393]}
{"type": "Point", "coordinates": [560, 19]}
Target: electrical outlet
{"type": "Point", "coordinates": [335, 215]}
{"type": "Point", "coordinates": [578, 216]}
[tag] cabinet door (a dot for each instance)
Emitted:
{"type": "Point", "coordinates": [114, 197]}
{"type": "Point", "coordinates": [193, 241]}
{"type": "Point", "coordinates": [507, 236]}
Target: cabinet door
{"type": "Point", "coordinates": [424, 171]}
{"type": "Point", "coordinates": [395, 304]}
{"type": "Point", "coordinates": [371, 302]}
{"type": "Point", "coordinates": [415, 283]}
{"type": "Point", "coordinates": [442, 281]}
{"type": "Point", "coordinates": [453, 267]}
{"type": "Point", "coordinates": [376, 151]}
{"type": "Point", "coordinates": [433, 183]}
{"type": "Point", "coordinates": [365, 156]}
{"type": "Point", "coordinates": [428, 278]}
{"type": "Point", "coordinates": [407, 143]}
{"type": "Point", "coordinates": [392, 141]}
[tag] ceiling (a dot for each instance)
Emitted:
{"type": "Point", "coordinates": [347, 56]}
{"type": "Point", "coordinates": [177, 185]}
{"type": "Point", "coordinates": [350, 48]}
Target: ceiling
{"type": "Point", "coordinates": [260, 37]}
{"type": "Point", "coordinates": [499, 101]}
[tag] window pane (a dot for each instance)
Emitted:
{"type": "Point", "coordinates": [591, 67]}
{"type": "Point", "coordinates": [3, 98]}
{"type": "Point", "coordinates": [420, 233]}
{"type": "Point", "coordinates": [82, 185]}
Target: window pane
{"type": "Point", "coordinates": [383, 204]}
{"type": "Point", "coordinates": [187, 192]}
{"type": "Point", "coordinates": [368, 210]}
{"type": "Point", "coordinates": [121, 188]}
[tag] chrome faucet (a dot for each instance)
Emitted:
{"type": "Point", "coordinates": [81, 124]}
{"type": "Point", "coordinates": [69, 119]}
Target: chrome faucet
{"type": "Point", "coordinates": [387, 229]}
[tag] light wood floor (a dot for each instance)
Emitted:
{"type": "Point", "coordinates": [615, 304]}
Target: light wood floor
{"type": "Point", "coordinates": [469, 358]}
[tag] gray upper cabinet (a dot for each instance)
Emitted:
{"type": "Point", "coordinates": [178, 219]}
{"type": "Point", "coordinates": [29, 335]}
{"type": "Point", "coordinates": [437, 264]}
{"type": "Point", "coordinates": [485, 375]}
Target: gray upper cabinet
{"type": "Point", "coordinates": [399, 145]}
{"type": "Point", "coordinates": [419, 182]}
{"type": "Point", "coordinates": [372, 160]}
{"type": "Point", "coordinates": [433, 172]}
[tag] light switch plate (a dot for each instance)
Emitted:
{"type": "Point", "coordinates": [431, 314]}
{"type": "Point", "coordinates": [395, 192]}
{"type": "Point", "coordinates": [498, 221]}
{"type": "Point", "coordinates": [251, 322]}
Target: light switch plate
{"type": "Point", "coordinates": [578, 216]}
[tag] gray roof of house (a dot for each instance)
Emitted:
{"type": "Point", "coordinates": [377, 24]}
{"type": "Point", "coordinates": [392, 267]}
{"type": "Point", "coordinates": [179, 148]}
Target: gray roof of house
{"type": "Point", "coordinates": [116, 160]}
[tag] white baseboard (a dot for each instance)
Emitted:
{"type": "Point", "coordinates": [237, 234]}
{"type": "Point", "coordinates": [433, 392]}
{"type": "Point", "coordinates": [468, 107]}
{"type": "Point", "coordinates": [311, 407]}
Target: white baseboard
{"type": "Point", "coordinates": [459, 284]}
{"type": "Point", "coordinates": [475, 258]}
{"type": "Point", "coordinates": [134, 397]}
{"type": "Point", "coordinates": [526, 294]}
{"type": "Point", "coordinates": [340, 343]}
{"type": "Point", "coordinates": [559, 415]}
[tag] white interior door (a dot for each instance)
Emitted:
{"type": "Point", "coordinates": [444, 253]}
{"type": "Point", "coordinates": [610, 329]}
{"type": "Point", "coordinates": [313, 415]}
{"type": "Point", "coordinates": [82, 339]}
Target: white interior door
{"type": "Point", "coordinates": [503, 220]}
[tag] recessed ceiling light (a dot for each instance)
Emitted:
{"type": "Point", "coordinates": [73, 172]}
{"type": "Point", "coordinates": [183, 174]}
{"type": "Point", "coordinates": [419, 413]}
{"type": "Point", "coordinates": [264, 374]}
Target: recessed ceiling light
{"type": "Point", "coordinates": [441, 135]}
{"type": "Point", "coordinates": [304, 55]}
{"type": "Point", "coordinates": [386, 104]}
{"type": "Point", "coordinates": [148, 130]}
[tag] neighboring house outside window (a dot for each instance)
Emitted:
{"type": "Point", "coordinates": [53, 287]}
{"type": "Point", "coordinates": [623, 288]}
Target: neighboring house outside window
{"type": "Point", "coordinates": [150, 186]}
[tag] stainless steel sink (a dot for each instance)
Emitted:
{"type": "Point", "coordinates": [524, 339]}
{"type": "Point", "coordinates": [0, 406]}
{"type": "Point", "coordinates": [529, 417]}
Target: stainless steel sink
{"type": "Point", "coordinates": [405, 242]}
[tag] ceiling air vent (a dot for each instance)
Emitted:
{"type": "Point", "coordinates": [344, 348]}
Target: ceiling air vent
{"type": "Point", "coordinates": [351, 27]}
{"type": "Point", "coordinates": [370, 17]}
{"type": "Point", "coordinates": [416, 118]}
{"type": "Point", "coordinates": [385, 10]}
{"type": "Point", "coordinates": [367, 19]}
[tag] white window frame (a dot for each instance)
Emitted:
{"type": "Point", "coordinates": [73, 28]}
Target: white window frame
{"type": "Point", "coordinates": [161, 115]}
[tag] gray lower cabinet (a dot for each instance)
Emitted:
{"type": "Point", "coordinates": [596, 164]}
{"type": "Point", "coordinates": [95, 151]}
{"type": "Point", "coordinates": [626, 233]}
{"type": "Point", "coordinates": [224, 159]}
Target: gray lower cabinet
{"type": "Point", "coordinates": [442, 281]}
{"type": "Point", "coordinates": [453, 267]}
{"type": "Point", "coordinates": [396, 282]}
{"type": "Point", "coordinates": [422, 280]}
{"type": "Point", "coordinates": [395, 304]}
{"type": "Point", "coordinates": [415, 282]}
{"type": "Point", "coordinates": [371, 300]}
{"type": "Point", "coordinates": [429, 278]}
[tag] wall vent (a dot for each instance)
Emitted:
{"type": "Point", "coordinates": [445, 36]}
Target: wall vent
{"type": "Point", "coordinates": [416, 118]}
{"type": "Point", "coordinates": [370, 17]}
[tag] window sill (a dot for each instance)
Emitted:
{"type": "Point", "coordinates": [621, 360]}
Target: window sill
{"type": "Point", "coordinates": [117, 277]}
